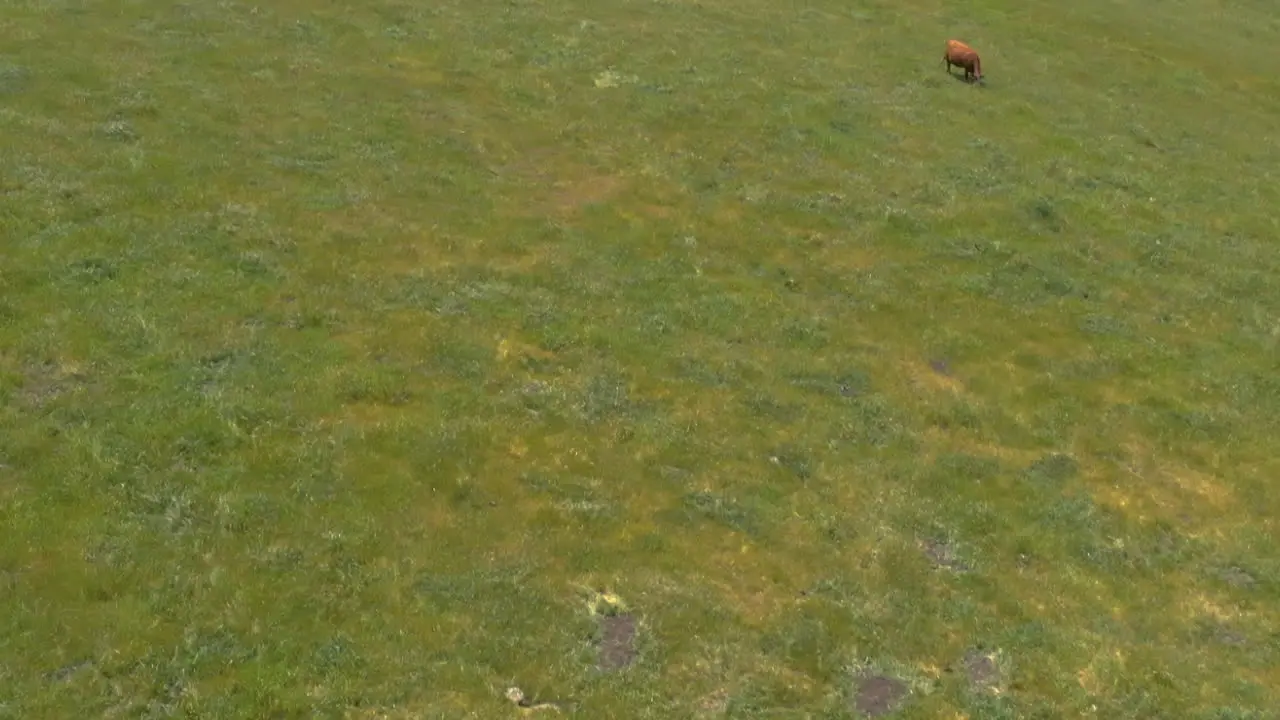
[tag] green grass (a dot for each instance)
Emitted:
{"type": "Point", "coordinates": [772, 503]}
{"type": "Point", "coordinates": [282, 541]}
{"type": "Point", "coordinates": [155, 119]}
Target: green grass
{"type": "Point", "coordinates": [346, 348]}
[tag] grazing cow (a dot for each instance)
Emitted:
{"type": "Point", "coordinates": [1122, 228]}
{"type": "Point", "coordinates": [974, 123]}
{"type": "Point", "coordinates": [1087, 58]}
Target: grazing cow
{"type": "Point", "coordinates": [963, 56]}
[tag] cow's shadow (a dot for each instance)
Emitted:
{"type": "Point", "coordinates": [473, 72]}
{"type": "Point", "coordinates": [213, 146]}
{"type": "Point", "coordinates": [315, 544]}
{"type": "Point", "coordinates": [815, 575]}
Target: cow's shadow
{"type": "Point", "coordinates": [959, 77]}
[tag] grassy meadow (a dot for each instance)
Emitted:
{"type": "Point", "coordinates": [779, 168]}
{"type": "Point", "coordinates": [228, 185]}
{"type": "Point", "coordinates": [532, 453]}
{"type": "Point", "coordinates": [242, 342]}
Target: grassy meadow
{"type": "Point", "coordinates": [660, 358]}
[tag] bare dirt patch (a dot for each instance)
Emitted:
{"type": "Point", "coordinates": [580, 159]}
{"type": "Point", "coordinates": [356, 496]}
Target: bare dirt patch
{"type": "Point", "coordinates": [943, 555]}
{"type": "Point", "coordinates": [878, 695]}
{"type": "Point", "coordinates": [617, 641]}
{"type": "Point", "coordinates": [981, 670]}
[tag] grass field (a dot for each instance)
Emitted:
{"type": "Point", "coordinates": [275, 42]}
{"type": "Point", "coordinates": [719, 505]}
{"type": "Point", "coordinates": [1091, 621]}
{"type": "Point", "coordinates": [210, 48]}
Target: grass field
{"type": "Point", "coordinates": [351, 353]}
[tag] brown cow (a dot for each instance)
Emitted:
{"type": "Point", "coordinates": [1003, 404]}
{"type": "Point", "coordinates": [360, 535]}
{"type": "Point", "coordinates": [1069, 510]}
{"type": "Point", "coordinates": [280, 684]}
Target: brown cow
{"type": "Point", "coordinates": [963, 56]}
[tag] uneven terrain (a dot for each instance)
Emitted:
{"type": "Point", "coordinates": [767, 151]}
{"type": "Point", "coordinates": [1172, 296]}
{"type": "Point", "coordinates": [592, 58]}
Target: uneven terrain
{"type": "Point", "coordinates": [646, 358]}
